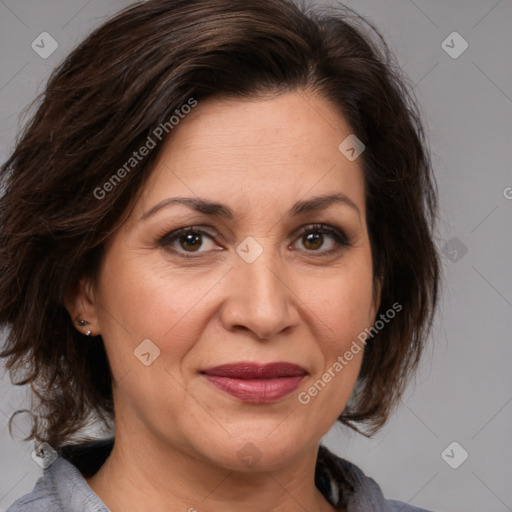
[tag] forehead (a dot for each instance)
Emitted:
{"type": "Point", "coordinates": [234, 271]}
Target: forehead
{"type": "Point", "coordinates": [274, 150]}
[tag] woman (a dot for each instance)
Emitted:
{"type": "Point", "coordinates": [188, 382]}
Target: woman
{"type": "Point", "coordinates": [216, 240]}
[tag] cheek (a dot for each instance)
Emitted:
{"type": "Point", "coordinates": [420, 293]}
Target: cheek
{"type": "Point", "coordinates": [145, 300]}
{"type": "Point", "coordinates": [346, 309]}
{"type": "Point", "coordinates": [343, 303]}
{"type": "Point", "coordinates": [330, 387]}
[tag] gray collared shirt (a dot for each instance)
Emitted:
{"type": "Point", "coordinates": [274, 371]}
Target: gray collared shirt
{"type": "Point", "coordinates": [63, 488]}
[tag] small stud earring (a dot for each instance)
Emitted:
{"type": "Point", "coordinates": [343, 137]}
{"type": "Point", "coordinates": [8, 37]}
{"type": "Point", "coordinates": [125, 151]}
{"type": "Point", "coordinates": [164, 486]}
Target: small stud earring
{"type": "Point", "coordinates": [82, 323]}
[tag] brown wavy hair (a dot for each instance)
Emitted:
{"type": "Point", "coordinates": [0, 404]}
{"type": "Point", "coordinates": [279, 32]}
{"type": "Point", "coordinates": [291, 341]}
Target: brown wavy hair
{"type": "Point", "coordinates": [101, 104]}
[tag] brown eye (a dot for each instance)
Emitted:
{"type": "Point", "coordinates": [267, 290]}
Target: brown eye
{"type": "Point", "coordinates": [322, 239]}
{"type": "Point", "coordinates": [313, 240]}
{"type": "Point", "coordinates": [189, 240]}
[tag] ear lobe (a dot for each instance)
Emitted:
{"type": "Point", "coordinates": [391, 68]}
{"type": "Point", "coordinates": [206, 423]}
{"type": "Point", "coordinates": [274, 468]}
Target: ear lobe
{"type": "Point", "coordinates": [80, 304]}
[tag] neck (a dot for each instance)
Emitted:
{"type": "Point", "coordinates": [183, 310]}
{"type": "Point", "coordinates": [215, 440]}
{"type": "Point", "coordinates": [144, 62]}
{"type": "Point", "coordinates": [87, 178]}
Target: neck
{"type": "Point", "coordinates": [144, 475]}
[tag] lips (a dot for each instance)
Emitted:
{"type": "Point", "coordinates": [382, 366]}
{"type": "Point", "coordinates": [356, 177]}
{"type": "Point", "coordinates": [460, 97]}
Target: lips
{"type": "Point", "coordinates": [255, 383]}
{"type": "Point", "coordinates": [256, 371]}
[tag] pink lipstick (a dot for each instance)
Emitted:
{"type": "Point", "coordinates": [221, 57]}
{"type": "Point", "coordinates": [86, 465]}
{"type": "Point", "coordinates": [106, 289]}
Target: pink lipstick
{"type": "Point", "coordinates": [255, 383]}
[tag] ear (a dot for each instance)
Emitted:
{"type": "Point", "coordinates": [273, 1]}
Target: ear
{"type": "Point", "coordinates": [80, 304]}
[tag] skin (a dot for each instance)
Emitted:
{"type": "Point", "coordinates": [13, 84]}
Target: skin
{"type": "Point", "coordinates": [177, 436]}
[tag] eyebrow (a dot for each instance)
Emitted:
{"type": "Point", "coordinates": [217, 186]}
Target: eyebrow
{"type": "Point", "coordinates": [215, 209]}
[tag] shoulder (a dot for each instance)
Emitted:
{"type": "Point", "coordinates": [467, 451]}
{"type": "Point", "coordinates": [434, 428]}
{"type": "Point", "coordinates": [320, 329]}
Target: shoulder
{"type": "Point", "coordinates": [347, 485]}
{"type": "Point", "coordinates": [62, 488]}
{"type": "Point", "coordinates": [399, 506]}
{"type": "Point", "coordinates": [29, 503]}
{"type": "Point", "coordinates": [41, 499]}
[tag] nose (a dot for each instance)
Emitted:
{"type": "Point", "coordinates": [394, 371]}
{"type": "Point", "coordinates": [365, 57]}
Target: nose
{"type": "Point", "coordinates": [259, 298]}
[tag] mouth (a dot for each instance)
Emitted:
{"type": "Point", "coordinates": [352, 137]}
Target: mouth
{"type": "Point", "coordinates": [255, 383]}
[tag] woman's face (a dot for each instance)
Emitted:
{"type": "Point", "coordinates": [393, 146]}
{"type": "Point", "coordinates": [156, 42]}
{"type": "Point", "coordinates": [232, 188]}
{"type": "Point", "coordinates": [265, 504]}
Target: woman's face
{"type": "Point", "coordinates": [255, 281]}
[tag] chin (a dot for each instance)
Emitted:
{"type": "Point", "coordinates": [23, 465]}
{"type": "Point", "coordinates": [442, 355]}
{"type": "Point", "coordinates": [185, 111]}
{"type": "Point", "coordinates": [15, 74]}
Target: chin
{"type": "Point", "coordinates": [259, 452]}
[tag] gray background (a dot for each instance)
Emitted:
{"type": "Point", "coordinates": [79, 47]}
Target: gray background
{"type": "Point", "coordinates": [463, 391]}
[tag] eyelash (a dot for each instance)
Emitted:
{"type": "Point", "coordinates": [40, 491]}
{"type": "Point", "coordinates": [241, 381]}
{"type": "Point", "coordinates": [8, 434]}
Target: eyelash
{"type": "Point", "coordinates": [338, 236]}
